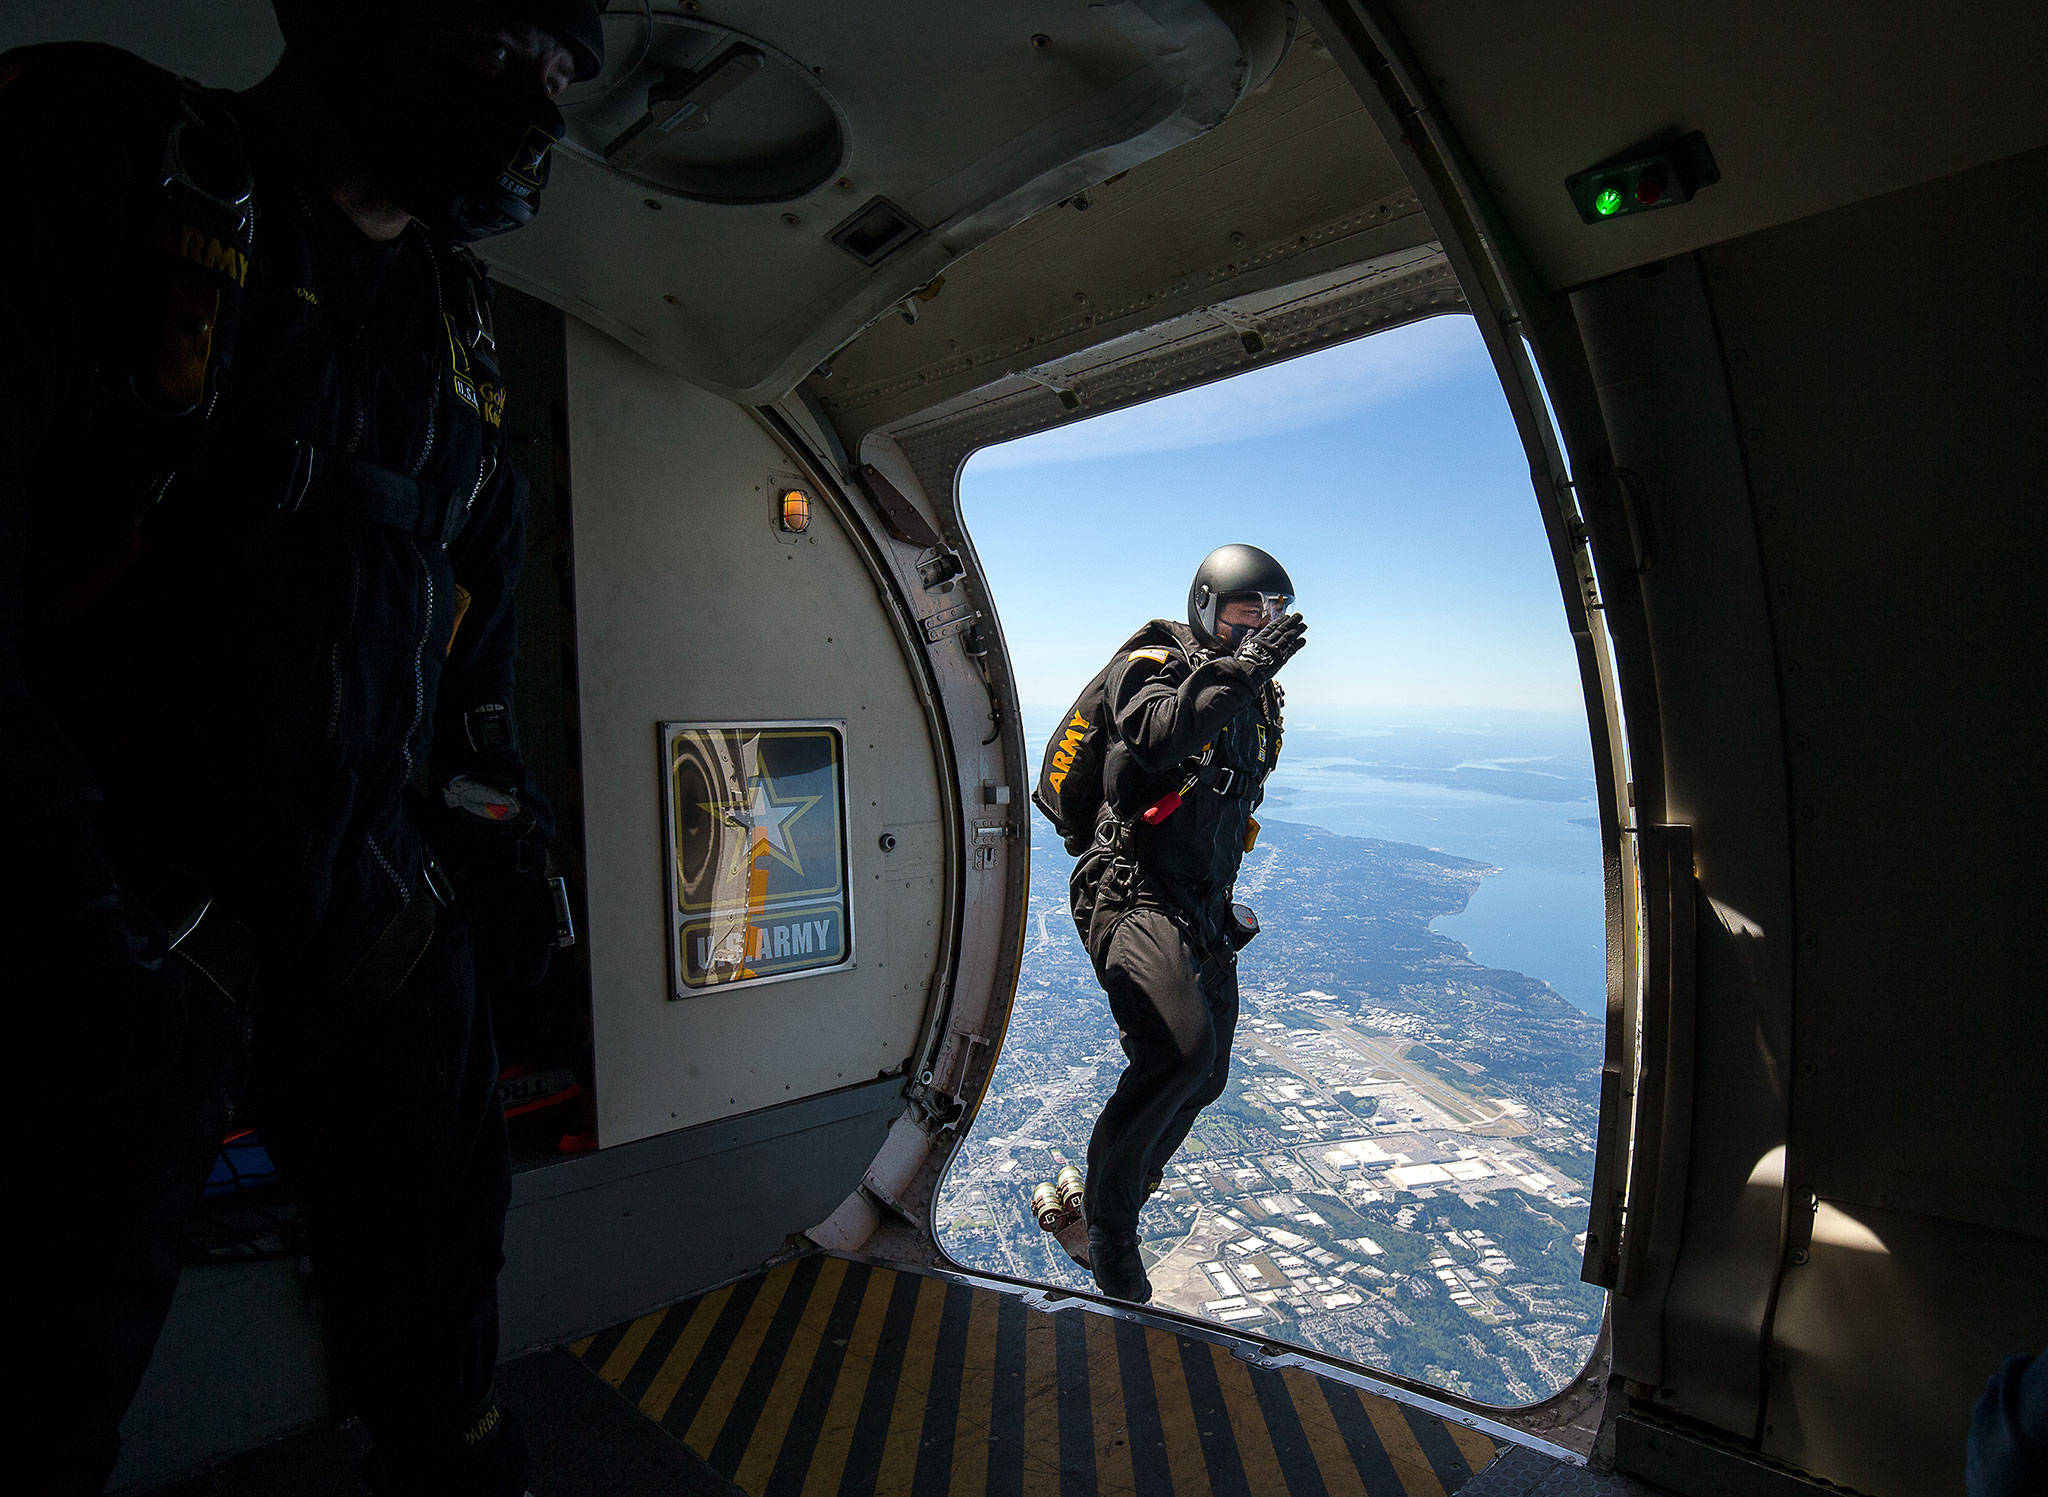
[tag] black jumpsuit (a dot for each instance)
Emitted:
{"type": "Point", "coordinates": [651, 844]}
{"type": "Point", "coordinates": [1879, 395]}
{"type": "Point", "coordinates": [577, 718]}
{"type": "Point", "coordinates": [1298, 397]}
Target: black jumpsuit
{"type": "Point", "coordinates": [249, 701]}
{"type": "Point", "coordinates": [1153, 905]}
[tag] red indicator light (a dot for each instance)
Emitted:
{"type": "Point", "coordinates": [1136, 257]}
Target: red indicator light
{"type": "Point", "coordinates": [1649, 190]}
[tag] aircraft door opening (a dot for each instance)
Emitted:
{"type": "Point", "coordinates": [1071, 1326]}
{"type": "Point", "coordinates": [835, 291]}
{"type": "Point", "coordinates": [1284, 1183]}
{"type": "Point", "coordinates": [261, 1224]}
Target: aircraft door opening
{"type": "Point", "coordinates": [1397, 1172]}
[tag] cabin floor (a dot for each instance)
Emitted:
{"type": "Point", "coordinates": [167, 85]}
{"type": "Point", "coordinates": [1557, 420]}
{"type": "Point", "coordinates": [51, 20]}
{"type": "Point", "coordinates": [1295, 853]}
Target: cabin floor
{"type": "Point", "coordinates": [825, 1374]}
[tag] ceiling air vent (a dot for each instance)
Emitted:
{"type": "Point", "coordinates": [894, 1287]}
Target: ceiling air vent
{"type": "Point", "coordinates": [876, 232]}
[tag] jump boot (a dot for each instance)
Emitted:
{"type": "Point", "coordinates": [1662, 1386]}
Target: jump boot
{"type": "Point", "coordinates": [1119, 1271]}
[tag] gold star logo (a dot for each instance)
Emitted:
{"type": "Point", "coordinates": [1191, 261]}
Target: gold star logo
{"type": "Point", "coordinates": [767, 816]}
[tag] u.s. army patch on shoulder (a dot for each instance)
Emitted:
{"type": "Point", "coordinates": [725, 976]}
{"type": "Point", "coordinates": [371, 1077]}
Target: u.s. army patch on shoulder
{"type": "Point", "coordinates": [1154, 655]}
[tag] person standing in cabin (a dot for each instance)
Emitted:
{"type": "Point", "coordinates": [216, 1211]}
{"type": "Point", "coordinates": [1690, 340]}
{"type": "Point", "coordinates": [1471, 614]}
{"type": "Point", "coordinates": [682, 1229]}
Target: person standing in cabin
{"type": "Point", "coordinates": [259, 538]}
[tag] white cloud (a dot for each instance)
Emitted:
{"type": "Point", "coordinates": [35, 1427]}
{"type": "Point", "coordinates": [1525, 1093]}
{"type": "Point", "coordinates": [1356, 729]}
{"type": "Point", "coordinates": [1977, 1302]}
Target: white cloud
{"type": "Point", "coordinates": [1262, 402]}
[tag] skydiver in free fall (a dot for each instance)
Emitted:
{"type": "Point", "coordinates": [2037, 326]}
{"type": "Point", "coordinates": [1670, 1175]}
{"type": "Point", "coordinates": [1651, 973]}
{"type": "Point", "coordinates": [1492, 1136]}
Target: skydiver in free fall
{"type": "Point", "coordinates": [1194, 729]}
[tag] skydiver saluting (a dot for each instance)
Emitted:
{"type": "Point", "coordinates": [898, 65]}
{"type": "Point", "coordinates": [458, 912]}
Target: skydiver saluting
{"type": "Point", "coordinates": [1153, 782]}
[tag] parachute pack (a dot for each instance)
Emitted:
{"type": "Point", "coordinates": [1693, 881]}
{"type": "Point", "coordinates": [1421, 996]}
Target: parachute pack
{"type": "Point", "coordinates": [1070, 788]}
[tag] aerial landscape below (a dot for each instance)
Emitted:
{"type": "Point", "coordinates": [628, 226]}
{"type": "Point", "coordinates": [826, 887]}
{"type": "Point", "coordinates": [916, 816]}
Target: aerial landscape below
{"type": "Point", "coordinates": [1397, 1173]}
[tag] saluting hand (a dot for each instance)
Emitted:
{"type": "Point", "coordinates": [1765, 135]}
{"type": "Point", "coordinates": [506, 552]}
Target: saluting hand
{"type": "Point", "coordinates": [1262, 654]}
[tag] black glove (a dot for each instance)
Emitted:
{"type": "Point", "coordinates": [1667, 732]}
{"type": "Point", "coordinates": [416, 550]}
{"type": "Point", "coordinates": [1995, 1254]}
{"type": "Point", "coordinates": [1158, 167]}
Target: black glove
{"type": "Point", "coordinates": [1264, 652]}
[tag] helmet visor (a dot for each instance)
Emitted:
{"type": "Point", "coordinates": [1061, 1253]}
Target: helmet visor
{"type": "Point", "coordinates": [1241, 614]}
{"type": "Point", "coordinates": [1255, 609]}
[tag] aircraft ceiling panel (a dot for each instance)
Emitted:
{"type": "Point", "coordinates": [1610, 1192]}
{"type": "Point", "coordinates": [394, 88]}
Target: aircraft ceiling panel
{"type": "Point", "coordinates": [1192, 349]}
{"type": "Point", "coordinates": [1806, 107]}
{"type": "Point", "coordinates": [964, 119]}
{"type": "Point", "coordinates": [1296, 181]}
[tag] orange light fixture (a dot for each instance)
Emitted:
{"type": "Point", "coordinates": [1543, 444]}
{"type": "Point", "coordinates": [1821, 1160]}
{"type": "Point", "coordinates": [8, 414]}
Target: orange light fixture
{"type": "Point", "coordinates": [796, 511]}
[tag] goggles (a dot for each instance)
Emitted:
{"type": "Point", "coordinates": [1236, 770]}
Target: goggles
{"type": "Point", "coordinates": [1272, 607]}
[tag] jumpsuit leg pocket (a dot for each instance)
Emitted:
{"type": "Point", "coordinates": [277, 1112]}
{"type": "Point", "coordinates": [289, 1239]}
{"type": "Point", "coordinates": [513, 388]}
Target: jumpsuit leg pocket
{"type": "Point", "coordinates": [1101, 904]}
{"type": "Point", "coordinates": [1152, 975]}
{"type": "Point", "coordinates": [380, 1076]}
{"type": "Point", "coordinates": [387, 966]}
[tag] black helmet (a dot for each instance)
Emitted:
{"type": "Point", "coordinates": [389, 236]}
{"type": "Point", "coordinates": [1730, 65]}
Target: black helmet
{"type": "Point", "coordinates": [1236, 572]}
{"type": "Point", "coordinates": [576, 24]}
{"type": "Point", "coordinates": [460, 153]}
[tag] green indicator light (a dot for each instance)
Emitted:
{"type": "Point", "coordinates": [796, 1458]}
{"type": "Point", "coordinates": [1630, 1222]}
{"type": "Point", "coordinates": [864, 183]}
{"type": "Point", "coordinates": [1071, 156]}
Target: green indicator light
{"type": "Point", "coordinates": [1608, 203]}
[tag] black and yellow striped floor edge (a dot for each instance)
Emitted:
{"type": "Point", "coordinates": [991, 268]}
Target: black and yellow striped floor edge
{"type": "Point", "coordinates": [828, 1376]}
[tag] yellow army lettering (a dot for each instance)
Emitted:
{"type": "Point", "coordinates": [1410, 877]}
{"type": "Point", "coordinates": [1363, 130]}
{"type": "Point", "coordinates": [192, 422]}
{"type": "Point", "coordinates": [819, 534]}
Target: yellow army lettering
{"type": "Point", "coordinates": [1063, 756]}
{"type": "Point", "coordinates": [207, 253]}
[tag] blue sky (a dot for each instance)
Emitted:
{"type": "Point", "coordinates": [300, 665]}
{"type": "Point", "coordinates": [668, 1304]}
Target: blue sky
{"type": "Point", "coordinates": [1385, 474]}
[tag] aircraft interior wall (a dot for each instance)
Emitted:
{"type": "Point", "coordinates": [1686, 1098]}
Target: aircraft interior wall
{"type": "Point", "coordinates": [1655, 363]}
{"type": "Point", "coordinates": [694, 607]}
{"type": "Point", "coordinates": [1895, 452]}
{"type": "Point", "coordinates": [1836, 472]}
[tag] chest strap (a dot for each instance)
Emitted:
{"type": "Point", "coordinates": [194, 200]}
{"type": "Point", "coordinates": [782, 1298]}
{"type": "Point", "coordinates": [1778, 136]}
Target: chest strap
{"type": "Point", "coordinates": [1219, 778]}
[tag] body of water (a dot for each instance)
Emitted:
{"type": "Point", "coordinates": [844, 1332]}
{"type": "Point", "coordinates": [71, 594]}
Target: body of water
{"type": "Point", "coordinates": [1513, 791]}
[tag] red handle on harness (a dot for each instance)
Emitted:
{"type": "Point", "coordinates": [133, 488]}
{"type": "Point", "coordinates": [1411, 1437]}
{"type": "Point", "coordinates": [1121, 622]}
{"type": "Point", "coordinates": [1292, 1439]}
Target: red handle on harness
{"type": "Point", "coordinates": [1160, 809]}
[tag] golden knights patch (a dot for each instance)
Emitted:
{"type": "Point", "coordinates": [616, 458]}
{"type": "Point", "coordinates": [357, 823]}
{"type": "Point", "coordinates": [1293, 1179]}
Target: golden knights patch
{"type": "Point", "coordinates": [1157, 655]}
